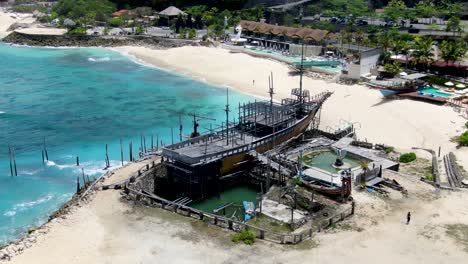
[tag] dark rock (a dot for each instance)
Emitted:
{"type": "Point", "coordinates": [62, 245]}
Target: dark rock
{"type": "Point", "coordinates": [95, 41]}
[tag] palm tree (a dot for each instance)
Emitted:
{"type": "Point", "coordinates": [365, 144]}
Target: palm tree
{"type": "Point", "coordinates": [359, 36]}
{"type": "Point", "coordinates": [424, 53]}
{"type": "Point", "coordinates": [384, 39]}
{"type": "Point", "coordinates": [404, 47]}
{"type": "Point", "coordinates": [448, 50]}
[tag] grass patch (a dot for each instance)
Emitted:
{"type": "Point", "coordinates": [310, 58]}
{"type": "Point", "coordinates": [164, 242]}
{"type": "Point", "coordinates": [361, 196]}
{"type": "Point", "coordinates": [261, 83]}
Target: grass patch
{"type": "Point", "coordinates": [246, 236]}
{"type": "Point", "coordinates": [408, 157]}
{"type": "Point", "coordinates": [459, 232]}
{"type": "Point", "coordinates": [429, 177]}
{"type": "Point", "coordinates": [389, 150]}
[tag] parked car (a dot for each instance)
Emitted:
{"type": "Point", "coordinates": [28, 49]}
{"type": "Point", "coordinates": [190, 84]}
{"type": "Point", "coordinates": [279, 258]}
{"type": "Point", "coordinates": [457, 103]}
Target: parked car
{"type": "Point", "coordinates": [362, 22]}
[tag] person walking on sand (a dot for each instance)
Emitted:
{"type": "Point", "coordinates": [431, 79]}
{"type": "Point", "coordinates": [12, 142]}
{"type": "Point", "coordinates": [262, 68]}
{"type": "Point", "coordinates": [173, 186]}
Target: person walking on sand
{"type": "Point", "coordinates": [408, 218]}
{"type": "Point", "coordinates": [253, 82]}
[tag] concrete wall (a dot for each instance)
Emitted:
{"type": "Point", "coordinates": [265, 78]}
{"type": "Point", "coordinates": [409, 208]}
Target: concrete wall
{"type": "Point", "coordinates": [369, 60]}
{"type": "Point", "coordinates": [309, 50]}
{"type": "Point", "coordinates": [354, 71]}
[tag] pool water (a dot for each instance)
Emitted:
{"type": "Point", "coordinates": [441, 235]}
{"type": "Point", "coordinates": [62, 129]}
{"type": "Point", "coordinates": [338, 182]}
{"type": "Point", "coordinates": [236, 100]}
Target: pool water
{"type": "Point", "coordinates": [433, 91]}
{"type": "Point", "coordinates": [325, 160]}
{"type": "Point", "coordinates": [234, 195]}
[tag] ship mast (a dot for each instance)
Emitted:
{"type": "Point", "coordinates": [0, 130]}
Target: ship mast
{"type": "Point", "coordinates": [301, 71]}
{"type": "Point", "coordinates": [227, 116]}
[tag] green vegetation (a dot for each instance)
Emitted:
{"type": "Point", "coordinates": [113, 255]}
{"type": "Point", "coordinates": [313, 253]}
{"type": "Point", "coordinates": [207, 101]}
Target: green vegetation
{"type": "Point", "coordinates": [295, 181]}
{"type": "Point", "coordinates": [389, 150]}
{"type": "Point", "coordinates": [408, 157]}
{"type": "Point", "coordinates": [466, 125]}
{"type": "Point", "coordinates": [429, 176]}
{"type": "Point", "coordinates": [395, 10]}
{"type": "Point", "coordinates": [245, 236]}
{"type": "Point", "coordinates": [424, 53]}
{"type": "Point", "coordinates": [463, 139]}
{"type": "Point", "coordinates": [77, 31]}
{"type": "Point", "coordinates": [115, 22]}
{"type": "Point", "coordinates": [84, 11]}
{"type": "Point", "coordinates": [393, 68]}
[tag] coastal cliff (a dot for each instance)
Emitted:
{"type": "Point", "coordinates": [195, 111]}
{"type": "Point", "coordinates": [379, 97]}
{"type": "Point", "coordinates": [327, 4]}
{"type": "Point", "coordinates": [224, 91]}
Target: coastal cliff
{"type": "Point", "coordinates": [94, 41]}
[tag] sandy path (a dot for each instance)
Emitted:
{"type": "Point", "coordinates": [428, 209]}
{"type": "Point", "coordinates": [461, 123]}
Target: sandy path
{"type": "Point", "coordinates": [401, 123]}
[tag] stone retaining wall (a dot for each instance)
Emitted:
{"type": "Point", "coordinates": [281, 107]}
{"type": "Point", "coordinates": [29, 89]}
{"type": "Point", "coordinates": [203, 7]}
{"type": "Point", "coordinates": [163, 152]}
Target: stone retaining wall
{"type": "Point", "coordinates": [94, 41]}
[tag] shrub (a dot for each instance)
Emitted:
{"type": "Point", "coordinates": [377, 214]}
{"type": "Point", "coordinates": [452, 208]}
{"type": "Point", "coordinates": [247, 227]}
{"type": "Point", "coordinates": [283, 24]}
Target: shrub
{"type": "Point", "coordinates": [389, 150]}
{"type": "Point", "coordinates": [466, 124]}
{"type": "Point", "coordinates": [140, 30]}
{"type": "Point", "coordinates": [192, 33]}
{"type": "Point", "coordinates": [463, 139]}
{"type": "Point", "coordinates": [407, 157]}
{"type": "Point", "coordinates": [295, 181]}
{"type": "Point", "coordinates": [116, 22]}
{"type": "Point", "coordinates": [77, 31]}
{"type": "Point", "coordinates": [246, 236]}
{"type": "Point", "coordinates": [205, 37]}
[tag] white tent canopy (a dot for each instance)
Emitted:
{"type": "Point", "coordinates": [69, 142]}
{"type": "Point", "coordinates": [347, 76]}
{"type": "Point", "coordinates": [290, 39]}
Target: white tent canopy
{"type": "Point", "coordinates": [449, 83]}
{"type": "Point", "coordinates": [460, 85]}
{"type": "Point", "coordinates": [172, 11]}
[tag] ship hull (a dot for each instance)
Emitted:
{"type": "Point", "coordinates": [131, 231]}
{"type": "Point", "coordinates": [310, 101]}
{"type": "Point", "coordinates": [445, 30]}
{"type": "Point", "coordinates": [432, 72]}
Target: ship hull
{"type": "Point", "coordinates": [232, 163]}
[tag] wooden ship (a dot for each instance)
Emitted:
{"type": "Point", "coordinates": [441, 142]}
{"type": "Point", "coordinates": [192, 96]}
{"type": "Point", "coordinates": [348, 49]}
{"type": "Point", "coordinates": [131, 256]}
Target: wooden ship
{"type": "Point", "coordinates": [197, 166]}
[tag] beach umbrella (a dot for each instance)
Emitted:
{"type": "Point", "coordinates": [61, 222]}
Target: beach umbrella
{"type": "Point", "coordinates": [449, 83]}
{"type": "Point", "coordinates": [460, 85]}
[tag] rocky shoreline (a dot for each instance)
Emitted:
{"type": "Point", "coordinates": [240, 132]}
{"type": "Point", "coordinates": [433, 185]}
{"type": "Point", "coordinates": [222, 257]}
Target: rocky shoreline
{"type": "Point", "coordinates": [95, 41]}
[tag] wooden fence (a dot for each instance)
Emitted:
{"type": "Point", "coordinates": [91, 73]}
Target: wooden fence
{"type": "Point", "coordinates": [150, 199]}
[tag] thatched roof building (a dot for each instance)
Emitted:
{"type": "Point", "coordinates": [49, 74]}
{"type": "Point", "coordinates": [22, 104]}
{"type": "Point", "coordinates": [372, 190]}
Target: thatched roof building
{"type": "Point", "coordinates": [172, 11]}
{"type": "Point", "coordinates": [309, 34]}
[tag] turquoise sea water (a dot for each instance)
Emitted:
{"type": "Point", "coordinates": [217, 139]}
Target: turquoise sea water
{"type": "Point", "coordinates": [79, 100]}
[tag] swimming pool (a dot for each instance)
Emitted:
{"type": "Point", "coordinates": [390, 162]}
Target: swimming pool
{"type": "Point", "coordinates": [433, 91]}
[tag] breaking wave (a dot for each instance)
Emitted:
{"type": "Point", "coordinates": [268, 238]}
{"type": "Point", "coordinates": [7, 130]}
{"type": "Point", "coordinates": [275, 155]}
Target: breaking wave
{"type": "Point", "coordinates": [99, 59]}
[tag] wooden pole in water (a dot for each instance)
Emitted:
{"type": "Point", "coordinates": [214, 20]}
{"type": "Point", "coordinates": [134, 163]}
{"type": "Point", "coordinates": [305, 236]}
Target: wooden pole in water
{"type": "Point", "coordinates": [121, 152]}
{"type": "Point", "coordinates": [157, 142]}
{"type": "Point", "coordinates": [144, 143]}
{"type": "Point", "coordinates": [180, 128]}
{"type": "Point", "coordinates": [77, 184]}
{"type": "Point", "coordinates": [84, 180]}
{"type": "Point", "coordinates": [141, 142]}
{"type": "Point", "coordinates": [14, 161]}
{"type": "Point", "coordinates": [77, 161]}
{"type": "Point", "coordinates": [10, 156]}
{"type": "Point", "coordinates": [152, 142]}
{"type": "Point", "coordinates": [130, 151]}
{"type": "Point", "coordinates": [172, 135]}
{"type": "Point", "coordinates": [107, 157]}
{"type": "Point", "coordinates": [45, 150]}
{"type": "Point", "coordinates": [42, 152]}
